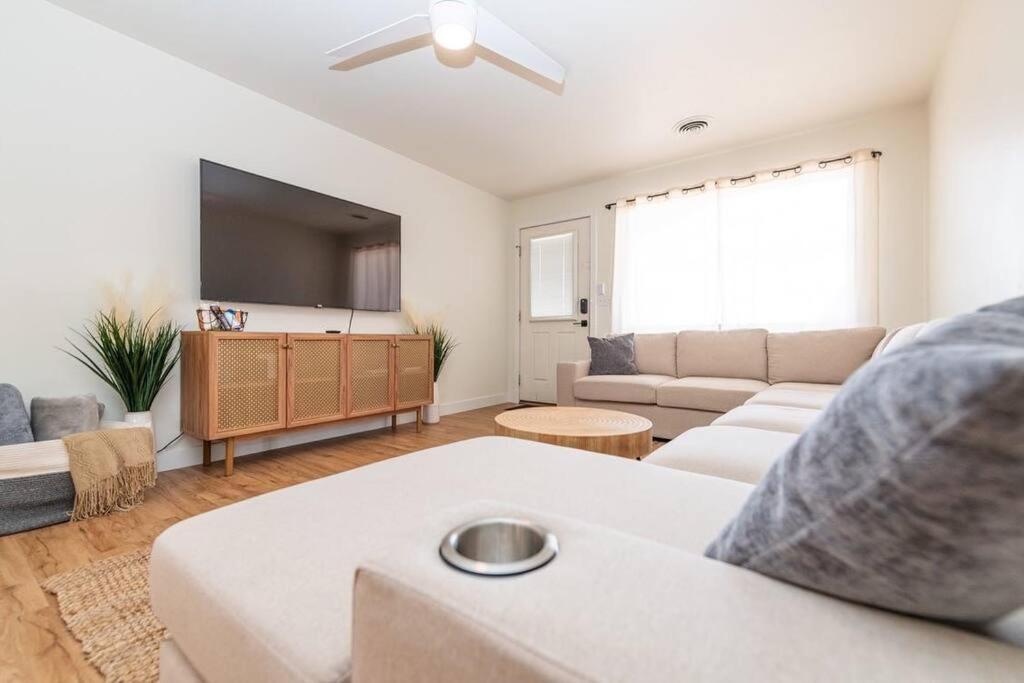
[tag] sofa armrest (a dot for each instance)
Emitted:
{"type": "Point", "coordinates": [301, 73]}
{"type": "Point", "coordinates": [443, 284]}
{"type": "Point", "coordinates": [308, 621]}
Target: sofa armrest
{"type": "Point", "coordinates": [567, 374]}
{"type": "Point", "coordinates": [617, 607]}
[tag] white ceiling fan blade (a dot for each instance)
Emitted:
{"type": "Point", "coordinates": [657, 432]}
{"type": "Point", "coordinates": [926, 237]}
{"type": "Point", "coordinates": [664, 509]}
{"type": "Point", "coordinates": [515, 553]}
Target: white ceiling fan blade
{"type": "Point", "coordinates": [411, 27]}
{"type": "Point", "coordinates": [496, 36]}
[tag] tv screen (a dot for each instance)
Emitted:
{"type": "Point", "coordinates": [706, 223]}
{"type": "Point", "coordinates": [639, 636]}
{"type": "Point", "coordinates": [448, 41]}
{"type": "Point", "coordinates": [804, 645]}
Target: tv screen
{"type": "Point", "coordinates": [264, 241]}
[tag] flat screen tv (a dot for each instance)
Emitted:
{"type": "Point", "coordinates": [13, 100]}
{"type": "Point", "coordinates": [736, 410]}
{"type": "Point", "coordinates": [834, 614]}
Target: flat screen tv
{"type": "Point", "coordinates": [264, 241]}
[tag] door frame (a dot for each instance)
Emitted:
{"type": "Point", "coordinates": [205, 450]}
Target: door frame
{"type": "Point", "coordinates": [517, 298]}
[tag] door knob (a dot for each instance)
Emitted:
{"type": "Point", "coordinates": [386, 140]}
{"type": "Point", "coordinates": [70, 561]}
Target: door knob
{"type": "Point", "coordinates": [580, 323]}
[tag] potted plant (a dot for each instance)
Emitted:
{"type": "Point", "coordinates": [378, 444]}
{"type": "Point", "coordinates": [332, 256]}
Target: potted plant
{"type": "Point", "coordinates": [133, 356]}
{"type": "Point", "coordinates": [444, 344]}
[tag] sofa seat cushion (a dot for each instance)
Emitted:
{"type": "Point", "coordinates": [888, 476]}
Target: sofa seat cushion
{"type": "Point", "coordinates": [620, 388]}
{"type": "Point", "coordinates": [774, 418]}
{"type": "Point", "coordinates": [717, 394]}
{"type": "Point", "coordinates": [778, 395]}
{"type": "Point", "coordinates": [739, 453]}
{"type": "Point", "coordinates": [809, 386]}
{"type": "Point", "coordinates": [261, 590]}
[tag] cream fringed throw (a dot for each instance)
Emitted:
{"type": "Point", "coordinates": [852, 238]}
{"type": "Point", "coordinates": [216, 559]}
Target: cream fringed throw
{"type": "Point", "coordinates": [110, 469]}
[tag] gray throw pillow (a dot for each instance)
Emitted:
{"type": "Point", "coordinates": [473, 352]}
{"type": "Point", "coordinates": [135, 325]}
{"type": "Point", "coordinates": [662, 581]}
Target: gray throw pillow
{"type": "Point", "coordinates": [613, 355]}
{"type": "Point", "coordinates": [906, 493]}
{"type": "Point", "coordinates": [53, 418]}
{"type": "Point", "coordinates": [14, 424]}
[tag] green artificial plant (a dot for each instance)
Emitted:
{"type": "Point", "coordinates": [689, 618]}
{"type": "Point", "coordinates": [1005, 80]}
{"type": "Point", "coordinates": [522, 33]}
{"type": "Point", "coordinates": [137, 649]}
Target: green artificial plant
{"type": "Point", "coordinates": [133, 356]}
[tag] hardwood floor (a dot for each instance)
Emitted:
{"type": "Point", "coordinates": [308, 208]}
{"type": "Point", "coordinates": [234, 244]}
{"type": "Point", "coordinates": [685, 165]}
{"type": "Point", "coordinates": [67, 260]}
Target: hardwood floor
{"type": "Point", "coordinates": [35, 645]}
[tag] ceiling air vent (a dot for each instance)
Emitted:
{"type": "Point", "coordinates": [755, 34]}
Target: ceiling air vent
{"type": "Point", "coordinates": [692, 125]}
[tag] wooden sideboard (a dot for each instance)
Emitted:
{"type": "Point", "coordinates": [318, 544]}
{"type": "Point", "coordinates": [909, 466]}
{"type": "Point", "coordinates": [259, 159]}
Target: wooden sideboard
{"type": "Point", "coordinates": [239, 384]}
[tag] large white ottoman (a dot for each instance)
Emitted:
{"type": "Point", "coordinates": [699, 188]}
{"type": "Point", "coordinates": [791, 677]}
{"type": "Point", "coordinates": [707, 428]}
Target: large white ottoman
{"type": "Point", "coordinates": [261, 590]}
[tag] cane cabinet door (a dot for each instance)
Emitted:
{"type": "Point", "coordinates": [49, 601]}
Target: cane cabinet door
{"type": "Point", "coordinates": [414, 370]}
{"type": "Point", "coordinates": [371, 369]}
{"type": "Point", "coordinates": [249, 387]}
{"type": "Point", "coordinates": [316, 378]}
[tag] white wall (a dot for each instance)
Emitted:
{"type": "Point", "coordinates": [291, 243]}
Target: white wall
{"type": "Point", "coordinates": [901, 134]}
{"type": "Point", "coordinates": [100, 138]}
{"type": "Point", "coordinates": [977, 171]}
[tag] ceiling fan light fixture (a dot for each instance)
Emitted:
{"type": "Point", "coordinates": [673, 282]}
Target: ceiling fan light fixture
{"type": "Point", "coordinates": [453, 23]}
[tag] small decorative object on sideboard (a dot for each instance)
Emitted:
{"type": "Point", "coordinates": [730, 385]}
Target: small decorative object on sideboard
{"type": "Point", "coordinates": [222, 319]}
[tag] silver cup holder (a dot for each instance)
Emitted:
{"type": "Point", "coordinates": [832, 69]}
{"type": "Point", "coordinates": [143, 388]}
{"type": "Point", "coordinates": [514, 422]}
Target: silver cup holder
{"type": "Point", "coordinates": [499, 546]}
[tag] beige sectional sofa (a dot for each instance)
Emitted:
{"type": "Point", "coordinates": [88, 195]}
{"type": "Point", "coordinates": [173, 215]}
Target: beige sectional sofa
{"type": "Point", "coordinates": [691, 379]}
{"type": "Point", "coordinates": [340, 578]}
{"type": "Point", "coordinates": [744, 442]}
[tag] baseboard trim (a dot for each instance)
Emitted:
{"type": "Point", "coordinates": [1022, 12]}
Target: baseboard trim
{"type": "Point", "coordinates": [472, 404]}
{"type": "Point", "coordinates": [189, 452]}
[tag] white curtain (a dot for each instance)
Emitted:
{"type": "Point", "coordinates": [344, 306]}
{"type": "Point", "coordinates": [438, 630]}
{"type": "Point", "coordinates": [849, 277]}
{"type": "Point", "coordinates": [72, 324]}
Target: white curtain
{"type": "Point", "coordinates": [785, 251]}
{"type": "Point", "coordinates": [375, 277]}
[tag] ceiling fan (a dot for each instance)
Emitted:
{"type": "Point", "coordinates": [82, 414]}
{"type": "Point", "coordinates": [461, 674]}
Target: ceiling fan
{"type": "Point", "coordinates": [453, 25]}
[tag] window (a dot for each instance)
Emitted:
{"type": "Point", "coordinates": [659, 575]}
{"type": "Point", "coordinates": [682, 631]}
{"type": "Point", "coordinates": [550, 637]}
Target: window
{"type": "Point", "coordinates": [552, 276]}
{"type": "Point", "coordinates": [786, 254]}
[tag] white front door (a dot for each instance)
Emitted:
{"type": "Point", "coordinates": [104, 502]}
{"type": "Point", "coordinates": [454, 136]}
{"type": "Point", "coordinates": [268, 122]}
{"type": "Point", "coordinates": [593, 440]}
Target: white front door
{"type": "Point", "coordinates": [554, 298]}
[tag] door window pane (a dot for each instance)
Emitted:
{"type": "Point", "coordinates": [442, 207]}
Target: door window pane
{"type": "Point", "coordinates": [552, 276]}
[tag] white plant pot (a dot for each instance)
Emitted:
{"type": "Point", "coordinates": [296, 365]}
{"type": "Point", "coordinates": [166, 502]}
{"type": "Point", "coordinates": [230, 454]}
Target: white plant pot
{"type": "Point", "coordinates": [432, 413]}
{"type": "Point", "coordinates": [141, 419]}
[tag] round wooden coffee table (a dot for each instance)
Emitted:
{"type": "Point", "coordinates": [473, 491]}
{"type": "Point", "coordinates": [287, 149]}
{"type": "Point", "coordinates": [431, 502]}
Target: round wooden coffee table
{"type": "Point", "coordinates": [590, 429]}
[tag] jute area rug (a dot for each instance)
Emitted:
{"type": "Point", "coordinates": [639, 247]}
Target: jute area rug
{"type": "Point", "coordinates": [105, 605]}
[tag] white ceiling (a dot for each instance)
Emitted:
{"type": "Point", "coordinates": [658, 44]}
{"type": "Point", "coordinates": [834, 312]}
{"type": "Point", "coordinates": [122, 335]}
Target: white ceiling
{"type": "Point", "coordinates": [760, 69]}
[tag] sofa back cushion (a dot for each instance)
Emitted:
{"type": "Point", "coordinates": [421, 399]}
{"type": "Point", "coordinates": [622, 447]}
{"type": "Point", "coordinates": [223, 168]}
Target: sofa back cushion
{"type": "Point", "coordinates": [727, 353]}
{"type": "Point", "coordinates": [902, 336]}
{"type": "Point", "coordinates": [821, 357]}
{"type": "Point", "coordinates": [906, 492]}
{"type": "Point", "coordinates": [656, 353]}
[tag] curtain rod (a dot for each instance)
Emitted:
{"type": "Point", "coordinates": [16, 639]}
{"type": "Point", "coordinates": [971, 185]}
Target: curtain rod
{"type": "Point", "coordinates": [824, 163]}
